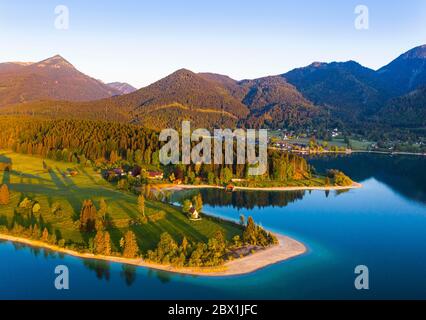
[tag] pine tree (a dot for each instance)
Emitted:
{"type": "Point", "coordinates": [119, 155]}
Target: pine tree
{"type": "Point", "coordinates": [148, 191]}
{"type": "Point", "coordinates": [88, 216]}
{"type": "Point", "coordinates": [45, 235]}
{"type": "Point", "coordinates": [107, 242]}
{"type": "Point", "coordinates": [98, 243]}
{"type": "Point", "coordinates": [166, 248]}
{"type": "Point", "coordinates": [184, 244]}
{"type": "Point", "coordinates": [249, 234]}
{"type": "Point", "coordinates": [196, 259]}
{"type": "Point", "coordinates": [4, 195]}
{"type": "Point", "coordinates": [102, 243]}
{"type": "Point", "coordinates": [186, 206]}
{"type": "Point", "coordinates": [100, 223]}
{"type": "Point", "coordinates": [103, 209]}
{"type": "Point", "coordinates": [114, 156]}
{"type": "Point", "coordinates": [36, 232]}
{"type": "Point", "coordinates": [53, 239]}
{"type": "Point", "coordinates": [130, 245]}
{"type": "Point", "coordinates": [198, 202]}
{"type": "Point", "coordinates": [217, 247]}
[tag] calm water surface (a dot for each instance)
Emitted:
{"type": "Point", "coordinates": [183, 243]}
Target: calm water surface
{"type": "Point", "coordinates": [382, 225]}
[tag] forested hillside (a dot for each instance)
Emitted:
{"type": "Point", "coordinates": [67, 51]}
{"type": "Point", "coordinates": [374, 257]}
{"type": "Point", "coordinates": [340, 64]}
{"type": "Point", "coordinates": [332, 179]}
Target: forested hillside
{"type": "Point", "coordinates": [78, 141]}
{"type": "Point", "coordinates": [88, 142]}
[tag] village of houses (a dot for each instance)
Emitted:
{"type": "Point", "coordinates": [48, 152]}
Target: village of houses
{"type": "Point", "coordinates": [136, 173]}
{"type": "Point", "coordinates": [290, 142]}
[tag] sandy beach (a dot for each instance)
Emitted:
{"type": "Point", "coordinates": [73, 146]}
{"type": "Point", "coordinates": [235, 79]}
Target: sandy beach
{"type": "Point", "coordinates": [286, 249]}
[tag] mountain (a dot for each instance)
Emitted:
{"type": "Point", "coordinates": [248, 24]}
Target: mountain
{"type": "Point", "coordinates": [355, 94]}
{"type": "Point", "coordinates": [122, 87]}
{"type": "Point", "coordinates": [347, 88]}
{"type": "Point", "coordinates": [275, 103]}
{"type": "Point", "coordinates": [272, 101]}
{"type": "Point", "coordinates": [408, 111]}
{"type": "Point", "coordinates": [232, 86]}
{"type": "Point", "coordinates": [320, 95]}
{"type": "Point", "coordinates": [406, 73]}
{"type": "Point", "coordinates": [183, 95]}
{"type": "Point", "coordinates": [268, 91]}
{"type": "Point", "coordinates": [207, 100]}
{"type": "Point", "coordinates": [53, 78]}
{"type": "Point", "coordinates": [13, 66]}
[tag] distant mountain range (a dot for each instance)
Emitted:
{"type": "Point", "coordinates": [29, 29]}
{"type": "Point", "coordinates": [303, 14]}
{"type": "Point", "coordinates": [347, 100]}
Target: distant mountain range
{"type": "Point", "coordinates": [53, 78]}
{"type": "Point", "coordinates": [353, 92]}
{"type": "Point", "coordinates": [122, 87]}
{"type": "Point", "coordinates": [321, 94]}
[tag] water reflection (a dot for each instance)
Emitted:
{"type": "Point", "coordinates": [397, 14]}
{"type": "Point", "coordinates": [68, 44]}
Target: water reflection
{"type": "Point", "coordinates": [241, 199]}
{"type": "Point", "coordinates": [164, 277]}
{"type": "Point", "coordinates": [128, 273]}
{"type": "Point", "coordinates": [403, 174]}
{"type": "Point", "coordinates": [36, 251]}
{"type": "Point", "coordinates": [100, 267]}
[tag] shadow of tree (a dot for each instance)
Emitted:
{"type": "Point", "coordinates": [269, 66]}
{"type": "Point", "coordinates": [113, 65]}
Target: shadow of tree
{"type": "Point", "coordinates": [90, 177]}
{"type": "Point", "coordinates": [73, 200]}
{"type": "Point", "coordinates": [6, 177]}
{"type": "Point", "coordinates": [114, 232]}
{"type": "Point", "coordinates": [23, 175]}
{"type": "Point", "coordinates": [5, 167]}
{"type": "Point", "coordinates": [4, 221]}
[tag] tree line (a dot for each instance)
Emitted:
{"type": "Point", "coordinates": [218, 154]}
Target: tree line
{"type": "Point", "coordinates": [88, 142]}
{"type": "Point", "coordinates": [79, 141]}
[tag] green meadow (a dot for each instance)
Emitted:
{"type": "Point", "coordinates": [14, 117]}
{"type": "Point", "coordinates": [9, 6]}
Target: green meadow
{"type": "Point", "coordinates": [50, 188]}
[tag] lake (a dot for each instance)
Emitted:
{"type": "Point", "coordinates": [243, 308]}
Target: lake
{"type": "Point", "coordinates": [381, 226]}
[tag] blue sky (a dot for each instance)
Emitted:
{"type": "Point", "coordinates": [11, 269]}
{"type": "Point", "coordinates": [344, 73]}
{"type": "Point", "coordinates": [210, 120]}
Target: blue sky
{"type": "Point", "coordinates": [143, 41]}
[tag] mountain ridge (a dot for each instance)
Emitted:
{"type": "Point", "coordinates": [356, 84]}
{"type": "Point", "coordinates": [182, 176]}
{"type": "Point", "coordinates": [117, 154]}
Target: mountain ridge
{"type": "Point", "coordinates": [53, 78]}
{"type": "Point", "coordinates": [318, 94]}
{"type": "Point", "coordinates": [122, 87]}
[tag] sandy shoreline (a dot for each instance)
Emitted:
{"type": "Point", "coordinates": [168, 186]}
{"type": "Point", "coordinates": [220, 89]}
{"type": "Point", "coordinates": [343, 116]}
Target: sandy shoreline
{"type": "Point", "coordinates": [355, 185]}
{"type": "Point", "coordinates": [286, 249]}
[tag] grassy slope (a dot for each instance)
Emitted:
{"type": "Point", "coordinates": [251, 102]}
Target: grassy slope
{"type": "Point", "coordinates": [28, 179]}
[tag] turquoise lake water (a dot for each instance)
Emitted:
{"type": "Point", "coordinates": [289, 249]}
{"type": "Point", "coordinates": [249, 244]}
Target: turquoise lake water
{"type": "Point", "coordinates": [382, 226]}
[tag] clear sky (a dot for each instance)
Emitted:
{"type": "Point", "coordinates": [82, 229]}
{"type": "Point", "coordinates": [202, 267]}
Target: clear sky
{"type": "Point", "coordinates": [142, 41]}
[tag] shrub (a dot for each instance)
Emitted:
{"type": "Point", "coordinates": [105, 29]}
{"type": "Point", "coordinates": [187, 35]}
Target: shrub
{"type": "Point", "coordinates": [36, 208]}
{"type": "Point", "coordinates": [4, 195]}
{"type": "Point", "coordinates": [157, 216]}
{"type": "Point", "coordinates": [26, 204]}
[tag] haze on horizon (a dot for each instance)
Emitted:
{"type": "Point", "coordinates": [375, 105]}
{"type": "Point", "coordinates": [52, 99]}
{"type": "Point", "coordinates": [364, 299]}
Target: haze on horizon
{"type": "Point", "coordinates": [140, 42]}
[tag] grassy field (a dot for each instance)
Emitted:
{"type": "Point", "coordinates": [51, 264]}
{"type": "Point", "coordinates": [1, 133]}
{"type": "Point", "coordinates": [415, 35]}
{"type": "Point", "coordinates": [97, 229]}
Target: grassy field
{"type": "Point", "coordinates": [28, 179]}
{"type": "Point", "coordinates": [360, 145]}
{"type": "Point", "coordinates": [337, 141]}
